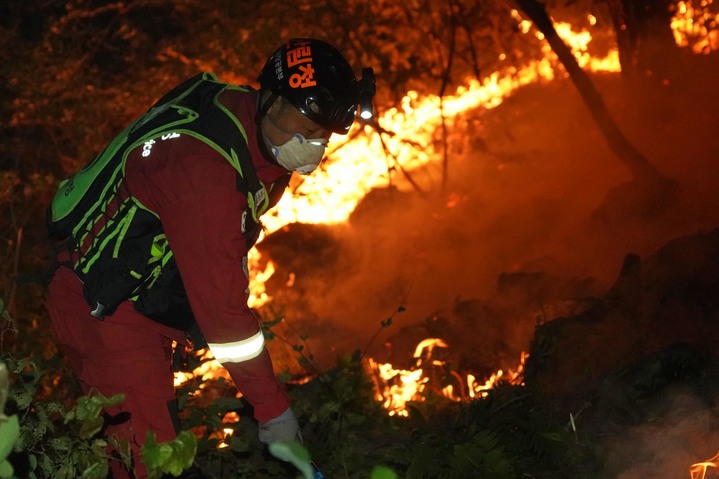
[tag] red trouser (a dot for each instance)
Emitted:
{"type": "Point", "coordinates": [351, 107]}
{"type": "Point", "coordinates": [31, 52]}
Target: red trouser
{"type": "Point", "coordinates": [125, 353]}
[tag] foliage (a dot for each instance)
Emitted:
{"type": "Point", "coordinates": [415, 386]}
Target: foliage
{"type": "Point", "coordinates": [53, 437]}
{"type": "Point", "coordinates": [295, 454]}
{"type": "Point", "coordinates": [510, 433]}
{"type": "Point", "coordinates": [64, 439]}
{"type": "Point", "coordinates": [9, 426]}
{"type": "Point", "coordinates": [9, 432]}
{"type": "Point", "coordinates": [58, 440]}
{"type": "Point", "coordinates": [171, 457]}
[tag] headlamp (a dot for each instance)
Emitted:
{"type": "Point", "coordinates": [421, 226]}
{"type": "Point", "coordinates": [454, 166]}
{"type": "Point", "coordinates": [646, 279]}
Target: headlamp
{"type": "Point", "coordinates": [365, 93]}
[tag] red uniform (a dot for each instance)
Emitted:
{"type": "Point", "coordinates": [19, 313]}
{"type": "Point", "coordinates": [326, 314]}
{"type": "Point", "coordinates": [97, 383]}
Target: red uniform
{"type": "Point", "coordinates": [193, 190]}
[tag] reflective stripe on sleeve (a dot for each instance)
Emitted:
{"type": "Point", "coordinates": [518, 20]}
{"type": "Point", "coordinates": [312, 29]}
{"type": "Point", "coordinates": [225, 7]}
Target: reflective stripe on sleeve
{"type": "Point", "coordinates": [238, 351]}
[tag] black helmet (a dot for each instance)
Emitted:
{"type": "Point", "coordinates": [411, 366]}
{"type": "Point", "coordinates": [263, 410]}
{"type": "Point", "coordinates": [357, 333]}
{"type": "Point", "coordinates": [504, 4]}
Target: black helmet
{"type": "Point", "coordinates": [315, 77]}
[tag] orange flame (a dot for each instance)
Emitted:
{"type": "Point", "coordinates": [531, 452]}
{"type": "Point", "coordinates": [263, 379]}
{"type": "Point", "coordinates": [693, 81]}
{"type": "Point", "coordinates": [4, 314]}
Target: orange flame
{"type": "Point", "coordinates": [699, 470]}
{"type": "Point", "coordinates": [224, 435]}
{"type": "Point", "coordinates": [396, 387]}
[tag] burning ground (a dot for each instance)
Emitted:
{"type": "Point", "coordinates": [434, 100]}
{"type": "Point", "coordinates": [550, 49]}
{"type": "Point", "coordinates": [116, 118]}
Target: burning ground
{"type": "Point", "coordinates": [533, 226]}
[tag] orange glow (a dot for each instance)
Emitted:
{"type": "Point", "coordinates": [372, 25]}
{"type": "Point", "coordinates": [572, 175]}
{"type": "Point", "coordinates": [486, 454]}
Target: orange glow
{"type": "Point", "coordinates": [699, 470]}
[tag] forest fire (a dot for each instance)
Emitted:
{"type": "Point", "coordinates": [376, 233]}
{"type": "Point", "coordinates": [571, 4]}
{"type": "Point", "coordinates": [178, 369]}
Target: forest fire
{"type": "Point", "coordinates": [699, 470]}
{"type": "Point", "coordinates": [368, 159]}
{"type": "Point", "coordinates": [371, 159]}
{"type": "Point", "coordinates": [531, 194]}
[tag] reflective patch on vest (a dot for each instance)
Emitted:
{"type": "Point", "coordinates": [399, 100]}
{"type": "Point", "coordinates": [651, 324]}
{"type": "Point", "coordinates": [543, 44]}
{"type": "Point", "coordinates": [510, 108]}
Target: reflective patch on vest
{"type": "Point", "coordinates": [147, 146]}
{"type": "Point", "coordinates": [260, 197]}
{"type": "Point", "coordinates": [244, 221]}
{"type": "Point", "coordinates": [238, 351]}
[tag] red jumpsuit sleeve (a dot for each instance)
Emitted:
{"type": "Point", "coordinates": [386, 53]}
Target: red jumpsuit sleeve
{"type": "Point", "coordinates": [204, 233]}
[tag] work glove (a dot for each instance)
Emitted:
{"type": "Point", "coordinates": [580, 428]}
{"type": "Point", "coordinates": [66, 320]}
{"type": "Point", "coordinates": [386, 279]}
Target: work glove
{"type": "Point", "coordinates": [282, 428]}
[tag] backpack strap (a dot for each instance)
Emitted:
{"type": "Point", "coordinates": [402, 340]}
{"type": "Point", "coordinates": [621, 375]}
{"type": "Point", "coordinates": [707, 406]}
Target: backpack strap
{"type": "Point", "coordinates": [221, 127]}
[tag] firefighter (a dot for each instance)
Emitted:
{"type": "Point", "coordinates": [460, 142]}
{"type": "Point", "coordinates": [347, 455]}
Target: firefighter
{"type": "Point", "coordinates": [164, 251]}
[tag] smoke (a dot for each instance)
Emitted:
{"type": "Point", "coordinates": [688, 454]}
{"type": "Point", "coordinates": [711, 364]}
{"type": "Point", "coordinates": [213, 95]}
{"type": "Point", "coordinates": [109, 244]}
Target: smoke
{"type": "Point", "coordinates": [532, 188]}
{"type": "Point", "coordinates": [683, 432]}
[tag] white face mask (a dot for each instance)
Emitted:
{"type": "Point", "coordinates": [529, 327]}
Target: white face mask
{"type": "Point", "coordinates": [300, 154]}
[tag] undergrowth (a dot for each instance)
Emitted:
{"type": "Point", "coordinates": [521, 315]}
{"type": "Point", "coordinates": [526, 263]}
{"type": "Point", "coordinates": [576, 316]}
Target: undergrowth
{"type": "Point", "coordinates": [347, 433]}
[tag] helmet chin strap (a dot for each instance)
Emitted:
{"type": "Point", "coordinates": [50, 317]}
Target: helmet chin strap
{"type": "Point", "coordinates": [264, 107]}
{"type": "Point", "coordinates": [262, 110]}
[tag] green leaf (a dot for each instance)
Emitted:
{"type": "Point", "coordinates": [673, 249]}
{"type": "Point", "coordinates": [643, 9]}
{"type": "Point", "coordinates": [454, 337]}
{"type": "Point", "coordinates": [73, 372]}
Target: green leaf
{"type": "Point", "coordinates": [171, 457]}
{"type": "Point", "coordinates": [9, 432]}
{"type": "Point", "coordinates": [294, 453]}
{"type": "Point", "coordinates": [97, 469]}
{"type": "Point", "coordinates": [61, 444]}
{"type": "Point", "coordinates": [6, 470]}
{"type": "Point", "coordinates": [123, 448]}
{"type": "Point", "coordinates": [87, 408]}
{"type": "Point", "coordinates": [23, 400]}
{"type": "Point", "coordinates": [151, 451]}
{"type": "Point", "coordinates": [90, 427]}
{"type": "Point", "coordinates": [381, 472]}
{"type": "Point", "coordinates": [552, 436]}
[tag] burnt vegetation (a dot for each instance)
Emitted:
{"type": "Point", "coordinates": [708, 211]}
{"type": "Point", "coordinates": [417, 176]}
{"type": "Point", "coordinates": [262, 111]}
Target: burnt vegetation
{"type": "Point", "coordinates": [576, 221]}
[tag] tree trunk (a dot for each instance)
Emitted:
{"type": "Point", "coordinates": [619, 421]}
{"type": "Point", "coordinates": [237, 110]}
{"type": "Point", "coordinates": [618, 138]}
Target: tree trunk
{"type": "Point", "coordinates": [626, 36]}
{"type": "Point", "coordinates": [627, 153]}
{"type": "Point", "coordinates": [647, 50]}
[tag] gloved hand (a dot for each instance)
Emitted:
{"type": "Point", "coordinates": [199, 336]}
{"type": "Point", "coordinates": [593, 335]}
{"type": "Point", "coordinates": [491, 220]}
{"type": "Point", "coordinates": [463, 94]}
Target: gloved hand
{"type": "Point", "coordinates": [282, 428]}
